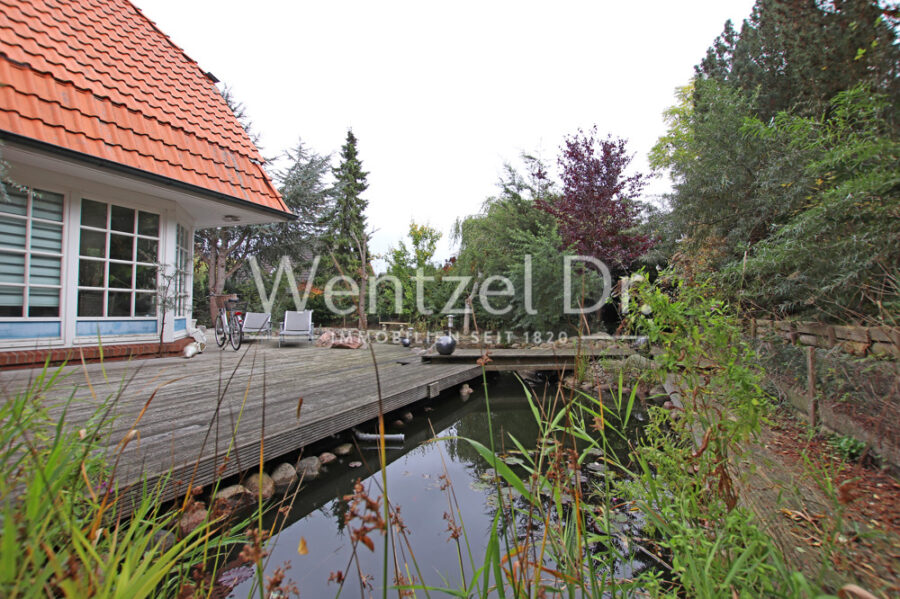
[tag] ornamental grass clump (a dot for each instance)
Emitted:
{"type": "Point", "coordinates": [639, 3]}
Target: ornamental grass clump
{"type": "Point", "coordinates": [65, 532]}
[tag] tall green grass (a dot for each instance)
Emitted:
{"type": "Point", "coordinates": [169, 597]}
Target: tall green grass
{"type": "Point", "coordinates": [68, 530]}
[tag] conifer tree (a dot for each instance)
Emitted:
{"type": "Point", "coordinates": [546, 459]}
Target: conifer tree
{"type": "Point", "coordinates": [303, 187]}
{"type": "Point", "coordinates": [346, 235]}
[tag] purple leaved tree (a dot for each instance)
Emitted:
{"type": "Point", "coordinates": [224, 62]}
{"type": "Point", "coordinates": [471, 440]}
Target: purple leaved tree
{"type": "Point", "coordinates": [598, 204]}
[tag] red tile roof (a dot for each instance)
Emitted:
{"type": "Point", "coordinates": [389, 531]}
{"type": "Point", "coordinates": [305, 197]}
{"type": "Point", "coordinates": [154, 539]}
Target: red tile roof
{"type": "Point", "coordinates": [97, 77]}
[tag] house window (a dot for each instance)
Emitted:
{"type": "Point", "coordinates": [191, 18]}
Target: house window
{"type": "Point", "coordinates": [31, 233]}
{"type": "Point", "coordinates": [118, 260]}
{"type": "Point", "coordinates": [183, 269]}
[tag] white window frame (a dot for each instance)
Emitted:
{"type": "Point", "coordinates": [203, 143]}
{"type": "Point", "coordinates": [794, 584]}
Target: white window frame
{"type": "Point", "coordinates": [26, 285]}
{"type": "Point", "coordinates": [107, 260]}
{"type": "Point", "coordinates": [184, 270]}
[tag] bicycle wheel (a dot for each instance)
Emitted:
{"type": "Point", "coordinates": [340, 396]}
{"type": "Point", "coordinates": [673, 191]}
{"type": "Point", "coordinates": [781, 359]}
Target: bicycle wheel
{"type": "Point", "coordinates": [221, 333]}
{"type": "Point", "coordinates": [237, 333]}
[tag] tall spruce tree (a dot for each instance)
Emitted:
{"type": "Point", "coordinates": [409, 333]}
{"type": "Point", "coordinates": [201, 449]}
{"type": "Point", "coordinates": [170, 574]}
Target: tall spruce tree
{"type": "Point", "coordinates": [346, 234]}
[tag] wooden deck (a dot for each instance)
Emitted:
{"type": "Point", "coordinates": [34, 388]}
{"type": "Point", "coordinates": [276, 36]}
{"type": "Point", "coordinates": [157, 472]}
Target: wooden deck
{"type": "Point", "coordinates": [198, 410]}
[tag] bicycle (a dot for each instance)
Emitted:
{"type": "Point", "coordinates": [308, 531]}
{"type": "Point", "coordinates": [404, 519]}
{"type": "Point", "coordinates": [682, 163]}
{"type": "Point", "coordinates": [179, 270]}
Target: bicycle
{"type": "Point", "coordinates": [230, 325]}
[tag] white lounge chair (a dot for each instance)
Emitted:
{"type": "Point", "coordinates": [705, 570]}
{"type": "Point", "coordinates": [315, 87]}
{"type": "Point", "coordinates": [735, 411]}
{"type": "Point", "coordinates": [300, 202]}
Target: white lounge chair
{"type": "Point", "coordinates": [258, 324]}
{"type": "Point", "coordinates": [296, 324]}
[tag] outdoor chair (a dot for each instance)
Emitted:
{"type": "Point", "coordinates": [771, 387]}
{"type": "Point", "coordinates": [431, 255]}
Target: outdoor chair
{"type": "Point", "coordinates": [296, 324]}
{"type": "Point", "coordinates": [257, 324]}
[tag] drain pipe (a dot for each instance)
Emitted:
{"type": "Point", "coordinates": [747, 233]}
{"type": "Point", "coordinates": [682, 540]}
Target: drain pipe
{"type": "Point", "coordinates": [377, 447]}
{"type": "Point", "coordinates": [398, 438]}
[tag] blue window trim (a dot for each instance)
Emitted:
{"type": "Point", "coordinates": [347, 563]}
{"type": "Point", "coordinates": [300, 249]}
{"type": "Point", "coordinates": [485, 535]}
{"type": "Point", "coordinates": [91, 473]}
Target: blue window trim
{"type": "Point", "coordinates": [30, 329]}
{"type": "Point", "coordinates": [89, 328]}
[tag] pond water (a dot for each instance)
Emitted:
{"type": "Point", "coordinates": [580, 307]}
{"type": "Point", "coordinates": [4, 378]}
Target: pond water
{"type": "Point", "coordinates": [415, 486]}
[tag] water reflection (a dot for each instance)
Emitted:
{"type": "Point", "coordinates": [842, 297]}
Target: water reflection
{"type": "Point", "coordinates": [415, 488]}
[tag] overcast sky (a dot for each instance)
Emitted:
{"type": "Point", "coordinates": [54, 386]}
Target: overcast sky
{"type": "Point", "coordinates": [440, 95]}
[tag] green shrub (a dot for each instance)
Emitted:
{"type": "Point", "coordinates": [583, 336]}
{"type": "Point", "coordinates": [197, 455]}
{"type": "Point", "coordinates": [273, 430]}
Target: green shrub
{"type": "Point", "coordinates": [848, 448]}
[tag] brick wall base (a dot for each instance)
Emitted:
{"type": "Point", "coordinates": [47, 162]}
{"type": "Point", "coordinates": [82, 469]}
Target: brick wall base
{"type": "Point", "coordinates": [37, 357]}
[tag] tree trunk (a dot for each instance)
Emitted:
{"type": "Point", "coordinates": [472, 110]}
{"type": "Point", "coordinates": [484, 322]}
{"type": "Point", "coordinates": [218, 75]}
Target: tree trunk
{"type": "Point", "coordinates": [217, 284]}
{"type": "Point", "coordinates": [216, 281]}
{"type": "Point", "coordinates": [363, 291]}
{"type": "Point", "coordinates": [162, 331]}
{"type": "Point", "coordinates": [469, 310]}
{"type": "Point", "coordinates": [811, 386]}
{"type": "Point", "coordinates": [362, 249]}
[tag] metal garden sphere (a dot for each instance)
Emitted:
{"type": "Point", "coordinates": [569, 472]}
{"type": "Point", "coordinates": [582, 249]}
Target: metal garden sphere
{"type": "Point", "coordinates": [445, 345]}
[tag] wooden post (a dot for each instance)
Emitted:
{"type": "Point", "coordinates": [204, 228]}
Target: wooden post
{"type": "Point", "coordinates": [811, 385]}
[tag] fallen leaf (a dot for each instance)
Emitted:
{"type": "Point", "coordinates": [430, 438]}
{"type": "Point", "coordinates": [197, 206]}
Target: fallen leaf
{"type": "Point", "coordinates": [798, 516]}
{"type": "Point", "coordinates": [849, 591]}
{"type": "Point", "coordinates": [301, 548]}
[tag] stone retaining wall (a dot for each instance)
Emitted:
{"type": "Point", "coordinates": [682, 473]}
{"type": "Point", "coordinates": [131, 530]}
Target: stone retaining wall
{"type": "Point", "coordinates": [856, 340]}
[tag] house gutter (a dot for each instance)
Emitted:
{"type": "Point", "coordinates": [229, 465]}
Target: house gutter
{"type": "Point", "coordinates": [140, 174]}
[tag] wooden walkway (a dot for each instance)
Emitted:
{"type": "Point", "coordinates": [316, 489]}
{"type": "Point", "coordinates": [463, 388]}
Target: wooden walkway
{"type": "Point", "coordinates": [526, 359]}
{"type": "Point", "coordinates": [222, 402]}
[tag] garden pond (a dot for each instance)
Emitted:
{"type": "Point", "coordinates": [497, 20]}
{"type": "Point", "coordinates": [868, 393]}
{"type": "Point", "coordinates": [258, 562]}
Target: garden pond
{"type": "Point", "coordinates": [432, 475]}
